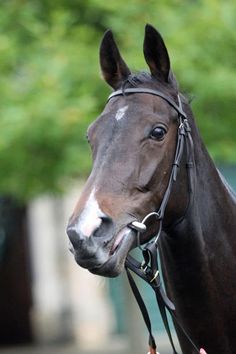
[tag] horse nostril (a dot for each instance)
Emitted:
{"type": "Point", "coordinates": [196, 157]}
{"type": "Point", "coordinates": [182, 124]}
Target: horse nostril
{"type": "Point", "coordinates": [87, 228]}
{"type": "Point", "coordinates": [73, 235]}
{"type": "Point", "coordinates": [106, 219]}
{"type": "Point", "coordinates": [105, 226]}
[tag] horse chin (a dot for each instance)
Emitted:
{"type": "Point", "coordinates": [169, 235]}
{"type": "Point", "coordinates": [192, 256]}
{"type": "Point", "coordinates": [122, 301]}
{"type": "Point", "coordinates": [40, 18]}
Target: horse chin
{"type": "Point", "coordinates": [115, 263]}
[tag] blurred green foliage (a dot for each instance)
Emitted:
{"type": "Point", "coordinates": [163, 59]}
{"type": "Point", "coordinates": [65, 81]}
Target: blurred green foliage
{"type": "Point", "coordinates": [50, 86]}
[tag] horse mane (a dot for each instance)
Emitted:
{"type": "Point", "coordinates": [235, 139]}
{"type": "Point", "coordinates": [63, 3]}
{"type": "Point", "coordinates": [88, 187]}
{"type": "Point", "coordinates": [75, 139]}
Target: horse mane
{"type": "Point", "coordinates": [144, 79]}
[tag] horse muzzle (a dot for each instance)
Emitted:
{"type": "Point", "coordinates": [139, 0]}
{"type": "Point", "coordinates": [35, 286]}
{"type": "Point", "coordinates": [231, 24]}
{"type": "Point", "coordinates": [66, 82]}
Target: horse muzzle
{"type": "Point", "coordinates": [101, 247]}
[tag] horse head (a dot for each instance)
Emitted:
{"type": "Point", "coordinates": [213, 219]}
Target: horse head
{"type": "Point", "coordinates": [133, 145]}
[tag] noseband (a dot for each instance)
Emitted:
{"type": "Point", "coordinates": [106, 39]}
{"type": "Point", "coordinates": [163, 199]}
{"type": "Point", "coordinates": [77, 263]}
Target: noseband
{"type": "Point", "coordinates": [148, 270]}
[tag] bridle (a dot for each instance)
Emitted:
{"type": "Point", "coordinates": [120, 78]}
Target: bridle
{"type": "Point", "coordinates": [183, 139]}
{"type": "Point", "coordinates": [148, 269]}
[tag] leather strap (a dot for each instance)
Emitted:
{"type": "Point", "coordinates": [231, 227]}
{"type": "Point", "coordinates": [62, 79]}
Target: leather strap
{"type": "Point", "coordinates": [148, 270]}
{"type": "Point", "coordinates": [143, 309]}
{"type": "Point", "coordinates": [183, 136]}
{"type": "Point", "coordinates": [150, 273]}
{"type": "Point", "coordinates": [158, 93]}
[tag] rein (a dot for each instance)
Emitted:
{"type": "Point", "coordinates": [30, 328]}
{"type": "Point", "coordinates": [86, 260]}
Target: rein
{"type": "Point", "coordinates": [148, 269]}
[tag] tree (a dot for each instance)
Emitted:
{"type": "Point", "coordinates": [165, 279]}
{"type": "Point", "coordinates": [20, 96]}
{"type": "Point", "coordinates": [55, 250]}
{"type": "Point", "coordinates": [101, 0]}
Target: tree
{"type": "Point", "coordinates": [51, 89]}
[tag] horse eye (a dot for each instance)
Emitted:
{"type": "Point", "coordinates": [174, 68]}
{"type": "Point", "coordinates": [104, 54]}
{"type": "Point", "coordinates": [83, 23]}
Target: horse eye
{"type": "Point", "coordinates": [158, 133]}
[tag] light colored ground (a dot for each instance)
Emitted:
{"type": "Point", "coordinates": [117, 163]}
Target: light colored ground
{"type": "Point", "coordinates": [118, 346]}
{"type": "Point", "coordinates": [67, 350]}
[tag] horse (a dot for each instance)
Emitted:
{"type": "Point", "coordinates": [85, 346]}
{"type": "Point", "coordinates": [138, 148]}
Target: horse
{"type": "Point", "coordinates": [133, 144]}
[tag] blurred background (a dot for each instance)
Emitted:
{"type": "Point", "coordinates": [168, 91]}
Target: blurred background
{"type": "Point", "coordinates": [50, 90]}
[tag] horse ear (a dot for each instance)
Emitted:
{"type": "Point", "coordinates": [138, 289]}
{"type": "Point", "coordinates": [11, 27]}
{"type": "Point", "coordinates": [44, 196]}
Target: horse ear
{"type": "Point", "coordinates": [114, 69]}
{"type": "Point", "coordinates": [156, 54]}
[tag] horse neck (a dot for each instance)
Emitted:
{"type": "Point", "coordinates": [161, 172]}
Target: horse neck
{"type": "Point", "coordinates": [213, 202]}
{"type": "Point", "coordinates": [212, 208]}
{"type": "Point", "coordinates": [195, 252]}
{"type": "Point", "coordinates": [212, 211]}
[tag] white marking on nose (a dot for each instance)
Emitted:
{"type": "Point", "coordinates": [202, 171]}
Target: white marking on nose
{"type": "Point", "coordinates": [90, 218]}
{"type": "Point", "coordinates": [121, 112]}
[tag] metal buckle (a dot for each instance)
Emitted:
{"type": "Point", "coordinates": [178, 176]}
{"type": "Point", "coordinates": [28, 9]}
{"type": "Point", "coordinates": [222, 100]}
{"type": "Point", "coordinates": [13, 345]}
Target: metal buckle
{"type": "Point", "coordinates": [155, 276]}
{"type": "Point", "coordinates": [144, 266]}
{"type": "Point", "coordinates": [138, 226]}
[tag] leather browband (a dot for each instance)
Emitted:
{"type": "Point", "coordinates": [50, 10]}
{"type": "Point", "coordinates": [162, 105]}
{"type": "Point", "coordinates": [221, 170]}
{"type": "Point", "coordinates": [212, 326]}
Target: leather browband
{"type": "Point", "coordinates": [150, 92]}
